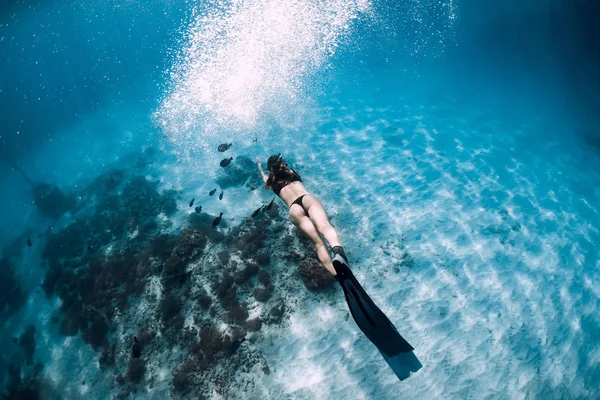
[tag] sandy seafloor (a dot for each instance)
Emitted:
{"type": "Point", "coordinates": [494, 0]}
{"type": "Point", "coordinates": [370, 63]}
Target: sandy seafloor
{"type": "Point", "coordinates": [469, 218]}
{"type": "Point", "coordinates": [480, 247]}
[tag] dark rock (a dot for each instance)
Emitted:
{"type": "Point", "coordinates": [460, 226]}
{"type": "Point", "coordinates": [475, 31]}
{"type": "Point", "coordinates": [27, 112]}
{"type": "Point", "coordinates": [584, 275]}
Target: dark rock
{"type": "Point", "coordinates": [204, 299]}
{"type": "Point", "coordinates": [145, 229]}
{"type": "Point", "coordinates": [162, 246]}
{"type": "Point", "coordinates": [224, 285]}
{"type": "Point", "coordinates": [212, 341]}
{"type": "Point", "coordinates": [265, 278]}
{"type": "Point", "coordinates": [27, 343]}
{"type": "Point", "coordinates": [185, 376]}
{"type": "Point", "coordinates": [170, 307]}
{"type": "Point", "coordinates": [176, 324]}
{"type": "Point", "coordinates": [237, 332]}
{"type": "Point", "coordinates": [136, 348]}
{"type": "Point", "coordinates": [313, 274]}
{"type": "Point", "coordinates": [181, 382]}
{"type": "Point", "coordinates": [246, 273]}
{"type": "Point", "coordinates": [96, 334]}
{"type": "Point", "coordinates": [224, 257]}
{"type": "Point", "coordinates": [254, 324]}
{"type": "Point", "coordinates": [136, 371]}
{"type": "Point", "coordinates": [120, 380]}
{"type": "Point", "coordinates": [146, 335]}
{"type": "Point", "coordinates": [13, 297]}
{"type": "Point", "coordinates": [262, 259]}
{"type": "Point", "coordinates": [262, 294]}
{"type": "Point", "coordinates": [252, 268]}
{"type": "Point", "coordinates": [237, 313]}
{"type": "Point", "coordinates": [190, 245]}
{"type": "Point", "coordinates": [276, 313]}
{"type": "Point", "coordinates": [107, 358]}
{"type": "Point", "coordinates": [174, 268]}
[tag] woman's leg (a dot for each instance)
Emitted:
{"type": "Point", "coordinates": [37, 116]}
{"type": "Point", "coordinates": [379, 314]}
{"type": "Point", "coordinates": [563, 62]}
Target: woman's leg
{"type": "Point", "coordinates": [304, 223]}
{"type": "Point", "coordinates": [317, 214]}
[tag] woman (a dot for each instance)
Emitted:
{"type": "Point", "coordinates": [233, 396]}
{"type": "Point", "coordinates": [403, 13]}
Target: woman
{"type": "Point", "coordinates": [306, 212]}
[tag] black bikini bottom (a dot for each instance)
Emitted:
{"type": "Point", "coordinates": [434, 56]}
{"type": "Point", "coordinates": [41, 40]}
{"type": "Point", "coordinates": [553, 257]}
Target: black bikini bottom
{"type": "Point", "coordinates": [299, 202]}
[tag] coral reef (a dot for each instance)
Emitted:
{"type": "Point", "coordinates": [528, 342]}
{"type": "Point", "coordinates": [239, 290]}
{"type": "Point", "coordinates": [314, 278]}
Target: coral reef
{"type": "Point", "coordinates": [239, 173]}
{"type": "Point", "coordinates": [313, 274]}
{"type": "Point", "coordinates": [244, 274]}
{"type": "Point", "coordinates": [262, 294]}
{"type": "Point", "coordinates": [120, 253]}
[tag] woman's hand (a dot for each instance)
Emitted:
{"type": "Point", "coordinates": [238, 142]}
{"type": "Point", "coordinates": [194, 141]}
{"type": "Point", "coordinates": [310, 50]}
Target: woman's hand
{"type": "Point", "coordinates": [262, 173]}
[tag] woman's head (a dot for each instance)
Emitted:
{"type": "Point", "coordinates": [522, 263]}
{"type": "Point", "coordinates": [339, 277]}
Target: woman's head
{"type": "Point", "coordinates": [275, 163]}
{"type": "Point", "coordinates": [279, 174]}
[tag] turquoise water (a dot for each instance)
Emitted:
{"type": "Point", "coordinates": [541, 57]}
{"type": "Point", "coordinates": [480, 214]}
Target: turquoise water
{"type": "Point", "coordinates": [452, 145]}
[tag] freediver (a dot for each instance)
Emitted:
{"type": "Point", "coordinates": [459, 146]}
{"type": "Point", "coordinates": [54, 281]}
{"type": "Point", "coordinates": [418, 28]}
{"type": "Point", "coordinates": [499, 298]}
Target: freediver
{"type": "Point", "coordinates": [305, 210]}
{"type": "Point", "coordinates": [308, 214]}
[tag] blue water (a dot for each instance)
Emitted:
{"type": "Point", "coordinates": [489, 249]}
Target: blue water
{"type": "Point", "coordinates": [454, 146]}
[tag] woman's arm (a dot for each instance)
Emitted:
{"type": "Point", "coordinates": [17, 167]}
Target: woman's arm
{"type": "Point", "coordinates": [265, 177]}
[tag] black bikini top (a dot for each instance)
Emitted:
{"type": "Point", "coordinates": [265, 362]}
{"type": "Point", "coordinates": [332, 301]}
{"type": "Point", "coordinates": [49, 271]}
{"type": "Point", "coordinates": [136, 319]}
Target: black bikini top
{"type": "Point", "coordinates": [285, 178]}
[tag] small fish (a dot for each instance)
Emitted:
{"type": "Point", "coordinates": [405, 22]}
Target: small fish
{"type": "Point", "coordinates": [270, 204]}
{"type": "Point", "coordinates": [255, 140]}
{"type": "Point", "coordinates": [217, 220]}
{"type": "Point", "coordinates": [111, 179]}
{"type": "Point", "coordinates": [221, 196]}
{"type": "Point", "coordinates": [224, 147]}
{"type": "Point", "coordinates": [236, 344]}
{"type": "Point", "coordinates": [192, 202]}
{"type": "Point", "coordinates": [225, 162]}
{"type": "Point", "coordinates": [255, 213]}
{"type": "Point", "coordinates": [212, 192]}
{"type": "Point", "coordinates": [29, 241]}
{"type": "Point", "coordinates": [198, 209]}
{"type": "Point", "coordinates": [136, 349]}
{"type": "Point", "coordinates": [90, 248]}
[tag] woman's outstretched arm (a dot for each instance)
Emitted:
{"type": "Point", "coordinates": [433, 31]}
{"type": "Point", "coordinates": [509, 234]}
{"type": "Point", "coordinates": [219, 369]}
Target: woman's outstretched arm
{"type": "Point", "coordinates": [262, 173]}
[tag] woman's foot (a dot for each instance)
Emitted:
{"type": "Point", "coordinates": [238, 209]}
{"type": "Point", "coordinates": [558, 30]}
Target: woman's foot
{"type": "Point", "coordinates": [339, 250]}
{"type": "Point", "coordinates": [340, 262]}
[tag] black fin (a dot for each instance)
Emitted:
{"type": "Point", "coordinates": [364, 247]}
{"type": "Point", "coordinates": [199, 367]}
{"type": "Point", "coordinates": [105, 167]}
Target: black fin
{"type": "Point", "coordinates": [369, 318]}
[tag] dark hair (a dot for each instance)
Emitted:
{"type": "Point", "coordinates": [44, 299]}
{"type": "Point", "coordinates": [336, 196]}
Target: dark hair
{"type": "Point", "coordinates": [276, 166]}
{"type": "Point", "coordinates": [275, 162]}
{"type": "Point", "coordinates": [279, 174]}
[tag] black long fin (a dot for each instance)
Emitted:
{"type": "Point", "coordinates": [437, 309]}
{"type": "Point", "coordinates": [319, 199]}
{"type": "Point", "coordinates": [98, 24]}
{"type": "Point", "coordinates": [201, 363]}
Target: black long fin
{"type": "Point", "coordinates": [369, 318]}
